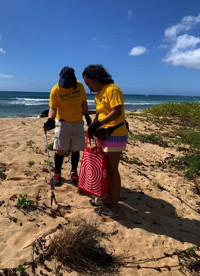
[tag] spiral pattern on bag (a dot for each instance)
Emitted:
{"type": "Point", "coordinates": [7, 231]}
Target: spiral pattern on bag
{"type": "Point", "coordinates": [91, 172]}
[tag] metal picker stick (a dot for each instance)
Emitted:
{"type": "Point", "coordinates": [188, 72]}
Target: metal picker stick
{"type": "Point", "coordinates": [53, 198]}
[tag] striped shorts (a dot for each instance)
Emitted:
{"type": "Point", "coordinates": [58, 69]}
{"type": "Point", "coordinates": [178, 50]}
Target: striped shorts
{"type": "Point", "coordinates": [113, 143]}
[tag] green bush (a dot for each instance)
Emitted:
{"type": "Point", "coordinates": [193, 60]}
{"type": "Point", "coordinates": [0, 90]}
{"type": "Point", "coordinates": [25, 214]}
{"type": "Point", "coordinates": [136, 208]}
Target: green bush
{"type": "Point", "coordinates": [152, 139]}
{"type": "Point", "coordinates": [186, 112]}
{"type": "Point", "coordinates": [189, 161]}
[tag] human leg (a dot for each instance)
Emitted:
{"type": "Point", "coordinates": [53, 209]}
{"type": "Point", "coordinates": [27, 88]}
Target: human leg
{"type": "Point", "coordinates": [61, 145]}
{"type": "Point", "coordinates": [58, 161]}
{"type": "Point", "coordinates": [75, 156]}
{"type": "Point", "coordinates": [114, 179]}
{"type": "Point", "coordinates": [77, 144]}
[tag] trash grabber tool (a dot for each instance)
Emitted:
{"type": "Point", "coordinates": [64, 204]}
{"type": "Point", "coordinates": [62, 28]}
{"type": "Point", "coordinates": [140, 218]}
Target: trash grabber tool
{"type": "Point", "coordinates": [53, 198]}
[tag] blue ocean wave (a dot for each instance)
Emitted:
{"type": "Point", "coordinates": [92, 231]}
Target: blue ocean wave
{"type": "Point", "coordinates": [31, 104]}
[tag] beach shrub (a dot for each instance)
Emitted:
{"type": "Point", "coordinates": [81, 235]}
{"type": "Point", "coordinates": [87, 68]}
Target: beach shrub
{"type": "Point", "coordinates": [188, 136]}
{"type": "Point", "coordinates": [152, 139]}
{"type": "Point", "coordinates": [191, 161]}
{"type": "Point", "coordinates": [188, 113]}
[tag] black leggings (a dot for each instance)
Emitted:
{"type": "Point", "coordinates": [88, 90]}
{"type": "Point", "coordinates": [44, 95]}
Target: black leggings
{"type": "Point", "coordinates": [58, 159]}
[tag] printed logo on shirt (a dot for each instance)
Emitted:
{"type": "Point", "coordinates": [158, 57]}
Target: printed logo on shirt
{"type": "Point", "coordinates": [70, 95]}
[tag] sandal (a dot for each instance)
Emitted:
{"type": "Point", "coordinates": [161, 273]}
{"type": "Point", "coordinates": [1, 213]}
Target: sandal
{"type": "Point", "coordinates": [107, 213]}
{"type": "Point", "coordinates": [97, 201]}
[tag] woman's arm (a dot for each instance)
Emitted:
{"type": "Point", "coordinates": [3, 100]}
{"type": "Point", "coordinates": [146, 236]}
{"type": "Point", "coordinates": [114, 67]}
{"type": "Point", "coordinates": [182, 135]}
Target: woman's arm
{"type": "Point", "coordinates": [84, 107]}
{"type": "Point", "coordinates": [115, 113]}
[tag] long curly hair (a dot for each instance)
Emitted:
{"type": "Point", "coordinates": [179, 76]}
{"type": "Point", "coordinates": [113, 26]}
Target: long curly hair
{"type": "Point", "coordinates": [97, 72]}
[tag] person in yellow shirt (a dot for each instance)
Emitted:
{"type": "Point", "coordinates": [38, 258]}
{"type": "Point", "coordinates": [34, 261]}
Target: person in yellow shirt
{"type": "Point", "coordinates": [109, 112]}
{"type": "Point", "coordinates": [67, 104]}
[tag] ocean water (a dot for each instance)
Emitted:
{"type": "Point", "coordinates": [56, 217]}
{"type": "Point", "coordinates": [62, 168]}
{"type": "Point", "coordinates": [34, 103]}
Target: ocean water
{"type": "Point", "coordinates": [31, 104]}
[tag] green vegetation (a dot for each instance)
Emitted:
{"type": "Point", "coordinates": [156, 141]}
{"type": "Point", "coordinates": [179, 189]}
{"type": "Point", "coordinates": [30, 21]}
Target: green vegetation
{"type": "Point", "coordinates": [46, 163]}
{"type": "Point", "coordinates": [30, 143]}
{"type": "Point", "coordinates": [186, 134]}
{"type": "Point", "coordinates": [191, 250]}
{"type": "Point", "coordinates": [151, 138]}
{"type": "Point", "coordinates": [31, 163]}
{"type": "Point", "coordinates": [21, 269]}
{"type": "Point", "coordinates": [50, 146]}
{"type": "Point", "coordinates": [2, 174]}
{"type": "Point", "coordinates": [188, 113]}
{"type": "Point", "coordinates": [190, 162]}
{"type": "Point", "coordinates": [24, 203]}
{"type": "Point", "coordinates": [158, 186]}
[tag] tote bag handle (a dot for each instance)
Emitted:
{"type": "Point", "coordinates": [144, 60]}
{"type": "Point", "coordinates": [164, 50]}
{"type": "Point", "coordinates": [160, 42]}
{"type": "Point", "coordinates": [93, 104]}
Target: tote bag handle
{"type": "Point", "coordinates": [88, 143]}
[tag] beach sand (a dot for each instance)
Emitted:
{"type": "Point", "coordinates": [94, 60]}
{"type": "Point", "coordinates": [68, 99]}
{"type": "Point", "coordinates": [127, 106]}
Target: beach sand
{"type": "Point", "coordinates": [151, 225]}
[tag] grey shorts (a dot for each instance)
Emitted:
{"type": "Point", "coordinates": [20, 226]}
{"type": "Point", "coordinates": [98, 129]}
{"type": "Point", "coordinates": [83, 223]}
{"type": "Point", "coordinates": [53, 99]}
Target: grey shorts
{"type": "Point", "coordinates": [69, 136]}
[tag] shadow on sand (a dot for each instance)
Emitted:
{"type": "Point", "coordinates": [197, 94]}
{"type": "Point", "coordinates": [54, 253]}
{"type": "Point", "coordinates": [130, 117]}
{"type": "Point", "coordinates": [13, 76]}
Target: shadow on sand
{"type": "Point", "coordinates": [138, 210]}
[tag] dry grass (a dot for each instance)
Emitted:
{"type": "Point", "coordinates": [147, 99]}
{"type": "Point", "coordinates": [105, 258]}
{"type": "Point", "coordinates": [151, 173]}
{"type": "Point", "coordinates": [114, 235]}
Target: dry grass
{"type": "Point", "coordinates": [78, 248]}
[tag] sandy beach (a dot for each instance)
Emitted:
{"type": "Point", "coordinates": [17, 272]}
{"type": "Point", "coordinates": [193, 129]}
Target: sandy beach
{"type": "Point", "coordinates": [158, 220]}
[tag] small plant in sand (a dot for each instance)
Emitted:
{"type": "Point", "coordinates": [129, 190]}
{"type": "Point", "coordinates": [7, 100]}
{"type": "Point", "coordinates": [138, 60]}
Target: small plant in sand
{"type": "Point", "coordinates": [21, 269]}
{"type": "Point", "coordinates": [31, 163]}
{"type": "Point", "coordinates": [30, 143]}
{"type": "Point", "coordinates": [2, 174]}
{"type": "Point", "coordinates": [158, 186]}
{"type": "Point", "coordinates": [46, 163]}
{"type": "Point", "coordinates": [50, 146]}
{"type": "Point", "coordinates": [23, 123]}
{"type": "Point", "coordinates": [191, 250]}
{"type": "Point", "coordinates": [24, 203]}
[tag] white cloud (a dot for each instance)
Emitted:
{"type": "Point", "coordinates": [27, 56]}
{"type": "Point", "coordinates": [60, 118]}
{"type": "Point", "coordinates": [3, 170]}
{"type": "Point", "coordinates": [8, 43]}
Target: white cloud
{"type": "Point", "coordinates": [184, 50]}
{"type": "Point", "coordinates": [129, 15]}
{"type": "Point", "coordinates": [189, 59]}
{"type": "Point", "coordinates": [185, 42]}
{"type": "Point", "coordinates": [137, 51]}
{"type": "Point", "coordinates": [2, 51]}
{"type": "Point", "coordinates": [186, 24]}
{"type": "Point", "coordinates": [5, 76]}
{"type": "Point", "coordinates": [94, 39]}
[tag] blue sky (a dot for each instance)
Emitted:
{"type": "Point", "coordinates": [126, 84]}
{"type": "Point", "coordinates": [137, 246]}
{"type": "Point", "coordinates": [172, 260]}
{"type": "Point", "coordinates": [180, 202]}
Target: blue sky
{"type": "Point", "coordinates": [148, 46]}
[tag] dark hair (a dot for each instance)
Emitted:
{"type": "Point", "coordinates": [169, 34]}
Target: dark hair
{"type": "Point", "coordinates": [97, 72]}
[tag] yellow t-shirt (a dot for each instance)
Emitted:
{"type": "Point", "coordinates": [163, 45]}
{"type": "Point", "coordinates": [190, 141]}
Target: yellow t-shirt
{"type": "Point", "coordinates": [68, 102]}
{"type": "Point", "coordinates": [109, 97]}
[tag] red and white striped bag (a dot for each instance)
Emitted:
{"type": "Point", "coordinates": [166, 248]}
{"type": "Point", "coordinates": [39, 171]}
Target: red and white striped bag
{"type": "Point", "coordinates": [93, 173]}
